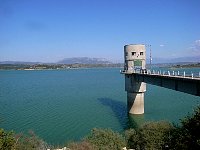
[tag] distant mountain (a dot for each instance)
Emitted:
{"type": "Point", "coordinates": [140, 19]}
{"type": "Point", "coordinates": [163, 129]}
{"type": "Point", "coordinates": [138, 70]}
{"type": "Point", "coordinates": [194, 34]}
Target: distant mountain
{"type": "Point", "coordinates": [87, 60]}
{"type": "Point", "coordinates": [175, 60]}
{"type": "Point", "coordinates": [84, 60]}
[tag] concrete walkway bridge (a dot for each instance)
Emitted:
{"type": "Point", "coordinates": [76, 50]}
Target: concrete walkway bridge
{"type": "Point", "coordinates": [171, 80]}
{"type": "Point", "coordinates": [136, 77]}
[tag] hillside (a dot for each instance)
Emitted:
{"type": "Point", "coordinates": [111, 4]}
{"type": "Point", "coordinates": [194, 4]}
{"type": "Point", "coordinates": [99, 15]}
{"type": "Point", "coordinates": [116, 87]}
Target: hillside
{"type": "Point", "coordinates": [84, 60]}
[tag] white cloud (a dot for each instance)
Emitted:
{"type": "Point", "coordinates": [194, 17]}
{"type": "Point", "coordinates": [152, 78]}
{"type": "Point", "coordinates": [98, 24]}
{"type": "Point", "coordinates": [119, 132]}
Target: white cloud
{"type": "Point", "coordinates": [197, 44]}
{"type": "Point", "coordinates": [195, 48]}
{"type": "Point", "coordinates": [162, 45]}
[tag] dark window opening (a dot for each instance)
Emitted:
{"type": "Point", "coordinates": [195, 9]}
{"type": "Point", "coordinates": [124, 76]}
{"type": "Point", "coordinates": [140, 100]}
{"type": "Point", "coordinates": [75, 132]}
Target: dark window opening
{"type": "Point", "coordinates": [141, 53]}
{"type": "Point", "coordinates": [133, 53]}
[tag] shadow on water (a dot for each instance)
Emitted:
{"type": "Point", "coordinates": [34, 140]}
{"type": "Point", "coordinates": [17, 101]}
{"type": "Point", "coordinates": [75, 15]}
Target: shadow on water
{"type": "Point", "coordinates": [135, 121]}
{"type": "Point", "coordinates": [119, 109]}
{"type": "Point", "coordinates": [125, 119]}
{"type": "Point", "coordinates": [1, 119]}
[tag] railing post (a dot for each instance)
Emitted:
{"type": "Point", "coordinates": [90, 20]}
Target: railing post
{"type": "Point", "coordinates": [184, 74]}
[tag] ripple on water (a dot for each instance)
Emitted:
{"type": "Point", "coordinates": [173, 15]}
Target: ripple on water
{"type": "Point", "coordinates": [65, 105]}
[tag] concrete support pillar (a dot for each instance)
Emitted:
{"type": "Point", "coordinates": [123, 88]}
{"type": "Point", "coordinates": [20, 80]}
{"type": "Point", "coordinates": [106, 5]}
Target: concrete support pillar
{"type": "Point", "coordinates": [135, 95]}
{"type": "Point", "coordinates": [135, 103]}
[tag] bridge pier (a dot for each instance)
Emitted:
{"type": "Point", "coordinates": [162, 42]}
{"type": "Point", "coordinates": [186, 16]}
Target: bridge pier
{"type": "Point", "coordinates": [135, 94]}
{"type": "Point", "coordinates": [135, 103]}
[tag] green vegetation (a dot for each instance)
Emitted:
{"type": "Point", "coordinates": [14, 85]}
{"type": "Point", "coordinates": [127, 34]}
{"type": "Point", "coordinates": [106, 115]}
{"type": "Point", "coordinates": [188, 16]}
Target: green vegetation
{"type": "Point", "coordinates": [187, 135]}
{"type": "Point", "coordinates": [153, 135]}
{"type": "Point", "coordinates": [196, 65]}
{"type": "Point", "coordinates": [11, 141]}
{"type": "Point", "coordinates": [29, 142]}
{"type": "Point", "coordinates": [7, 140]}
{"type": "Point", "coordinates": [106, 139]}
{"type": "Point", "coordinates": [13, 66]}
{"type": "Point", "coordinates": [83, 145]}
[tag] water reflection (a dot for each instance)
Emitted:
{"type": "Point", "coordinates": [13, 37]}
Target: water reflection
{"type": "Point", "coordinates": [135, 121]}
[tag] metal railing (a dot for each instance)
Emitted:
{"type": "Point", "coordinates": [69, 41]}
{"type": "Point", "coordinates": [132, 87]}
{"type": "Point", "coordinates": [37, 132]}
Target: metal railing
{"type": "Point", "coordinates": [175, 73]}
{"type": "Point", "coordinates": [185, 74]}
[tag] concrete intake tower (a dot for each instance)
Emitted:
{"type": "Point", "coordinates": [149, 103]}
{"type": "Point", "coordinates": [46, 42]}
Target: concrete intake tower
{"type": "Point", "coordinates": [136, 77]}
{"type": "Point", "coordinates": [135, 61]}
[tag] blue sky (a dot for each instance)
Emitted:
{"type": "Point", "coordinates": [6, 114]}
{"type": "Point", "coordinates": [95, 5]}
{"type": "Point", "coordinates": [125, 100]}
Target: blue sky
{"type": "Point", "coordinates": [50, 30]}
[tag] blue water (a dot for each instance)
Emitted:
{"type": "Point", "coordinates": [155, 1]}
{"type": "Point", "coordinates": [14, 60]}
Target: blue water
{"type": "Point", "coordinates": [63, 105]}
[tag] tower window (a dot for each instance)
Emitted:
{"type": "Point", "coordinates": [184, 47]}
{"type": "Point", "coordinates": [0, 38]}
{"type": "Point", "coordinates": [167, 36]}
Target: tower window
{"type": "Point", "coordinates": [141, 53]}
{"type": "Point", "coordinates": [133, 53]}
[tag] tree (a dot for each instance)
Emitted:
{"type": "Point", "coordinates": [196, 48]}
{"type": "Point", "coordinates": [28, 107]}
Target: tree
{"type": "Point", "coordinates": [151, 135]}
{"type": "Point", "coordinates": [106, 139]}
{"type": "Point", "coordinates": [83, 145]}
{"type": "Point", "coordinates": [132, 139]}
{"type": "Point", "coordinates": [156, 135]}
{"type": "Point", "coordinates": [30, 142]}
{"type": "Point", "coordinates": [186, 136]}
{"type": "Point", "coordinates": [7, 140]}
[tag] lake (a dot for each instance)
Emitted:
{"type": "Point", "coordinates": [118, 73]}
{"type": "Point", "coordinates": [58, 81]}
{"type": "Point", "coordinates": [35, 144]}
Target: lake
{"type": "Point", "coordinates": [63, 105]}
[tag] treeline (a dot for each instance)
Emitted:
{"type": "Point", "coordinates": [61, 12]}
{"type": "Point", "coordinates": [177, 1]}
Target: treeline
{"type": "Point", "coordinates": [195, 65]}
{"type": "Point", "coordinates": [150, 136]}
{"type": "Point", "coordinates": [54, 66]}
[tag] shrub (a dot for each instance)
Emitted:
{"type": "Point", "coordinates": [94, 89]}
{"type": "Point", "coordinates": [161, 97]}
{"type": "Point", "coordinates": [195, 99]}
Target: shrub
{"type": "Point", "coordinates": [186, 136]}
{"type": "Point", "coordinates": [84, 145]}
{"type": "Point", "coordinates": [155, 135]}
{"type": "Point", "coordinates": [30, 142]}
{"type": "Point", "coordinates": [152, 135]}
{"type": "Point", "coordinates": [132, 139]}
{"type": "Point", "coordinates": [106, 139]}
{"type": "Point", "coordinates": [7, 140]}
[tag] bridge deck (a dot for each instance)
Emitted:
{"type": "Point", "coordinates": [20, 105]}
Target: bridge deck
{"type": "Point", "coordinates": [188, 85]}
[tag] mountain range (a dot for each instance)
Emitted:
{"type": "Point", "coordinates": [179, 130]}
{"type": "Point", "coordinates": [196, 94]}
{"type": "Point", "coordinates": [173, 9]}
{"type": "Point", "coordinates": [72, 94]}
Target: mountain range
{"type": "Point", "coordinates": [84, 60]}
{"type": "Point", "coordinates": [73, 60]}
{"type": "Point", "coordinates": [87, 60]}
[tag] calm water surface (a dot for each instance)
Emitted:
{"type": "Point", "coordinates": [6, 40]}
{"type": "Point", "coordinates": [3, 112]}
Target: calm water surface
{"type": "Point", "coordinates": [62, 105]}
